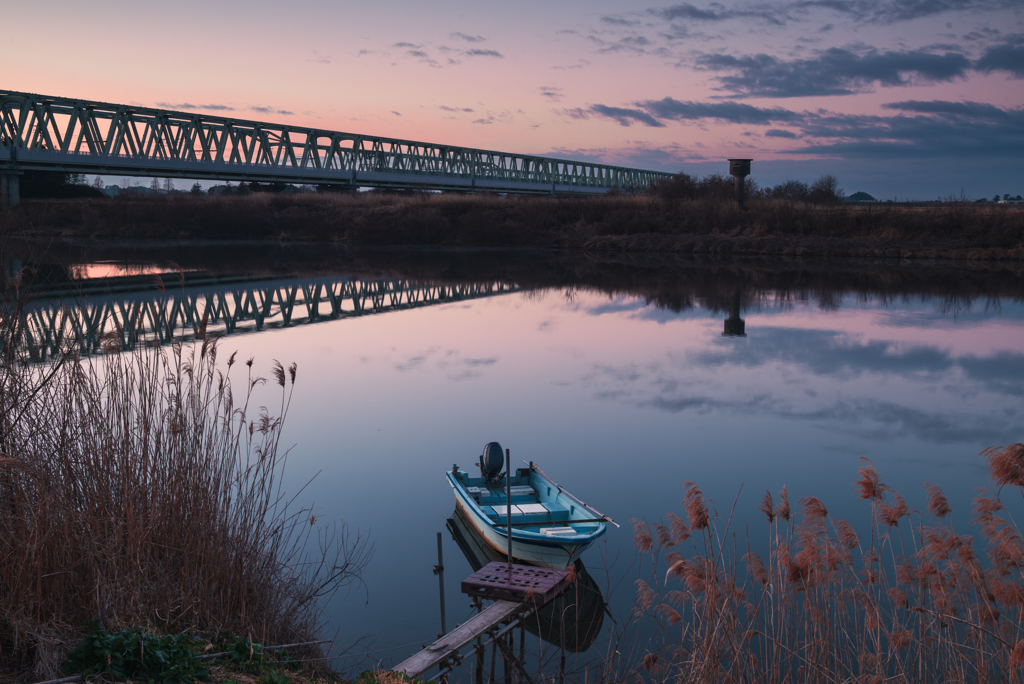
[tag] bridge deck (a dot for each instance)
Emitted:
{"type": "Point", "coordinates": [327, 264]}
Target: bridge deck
{"type": "Point", "coordinates": [39, 132]}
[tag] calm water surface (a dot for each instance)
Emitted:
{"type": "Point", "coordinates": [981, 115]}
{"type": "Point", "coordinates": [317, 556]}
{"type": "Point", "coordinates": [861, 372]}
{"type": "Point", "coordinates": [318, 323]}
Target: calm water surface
{"type": "Point", "coordinates": [622, 397]}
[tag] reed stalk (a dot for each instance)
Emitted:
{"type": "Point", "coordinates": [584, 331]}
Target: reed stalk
{"type": "Point", "coordinates": [911, 600]}
{"type": "Point", "coordinates": [138, 489]}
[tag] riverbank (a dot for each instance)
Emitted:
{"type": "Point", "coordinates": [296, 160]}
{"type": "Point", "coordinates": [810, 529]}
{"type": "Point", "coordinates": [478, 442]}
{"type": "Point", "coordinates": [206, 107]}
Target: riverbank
{"type": "Point", "coordinates": [184, 533]}
{"type": "Point", "coordinates": [631, 223]}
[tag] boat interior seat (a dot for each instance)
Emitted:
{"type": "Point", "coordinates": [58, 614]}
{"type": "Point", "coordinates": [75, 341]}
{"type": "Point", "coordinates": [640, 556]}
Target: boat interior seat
{"type": "Point", "coordinates": [528, 513]}
{"type": "Point", "coordinates": [490, 497]}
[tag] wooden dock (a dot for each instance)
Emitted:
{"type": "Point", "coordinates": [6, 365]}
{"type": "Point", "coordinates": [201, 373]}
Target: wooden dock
{"type": "Point", "coordinates": [460, 637]}
{"type": "Point", "coordinates": [520, 591]}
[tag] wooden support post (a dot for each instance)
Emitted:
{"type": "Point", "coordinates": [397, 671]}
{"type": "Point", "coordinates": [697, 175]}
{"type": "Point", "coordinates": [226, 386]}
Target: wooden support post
{"type": "Point", "coordinates": [479, 603]}
{"type": "Point", "coordinates": [561, 638]}
{"type": "Point", "coordinates": [439, 571]}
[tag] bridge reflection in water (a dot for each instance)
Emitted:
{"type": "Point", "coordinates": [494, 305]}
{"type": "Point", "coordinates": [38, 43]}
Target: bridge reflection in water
{"type": "Point", "coordinates": [148, 310]}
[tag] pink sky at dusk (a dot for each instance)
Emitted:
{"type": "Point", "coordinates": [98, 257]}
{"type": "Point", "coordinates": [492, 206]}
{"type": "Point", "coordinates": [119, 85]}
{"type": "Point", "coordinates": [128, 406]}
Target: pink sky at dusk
{"type": "Point", "coordinates": [907, 98]}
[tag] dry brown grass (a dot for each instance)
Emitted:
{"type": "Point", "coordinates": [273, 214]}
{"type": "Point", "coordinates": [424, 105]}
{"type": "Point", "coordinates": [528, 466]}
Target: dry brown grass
{"type": "Point", "coordinates": [705, 224]}
{"type": "Point", "coordinates": [911, 601]}
{"type": "Point", "coordinates": [139, 490]}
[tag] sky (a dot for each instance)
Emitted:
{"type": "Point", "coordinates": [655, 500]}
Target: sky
{"type": "Point", "coordinates": [915, 99]}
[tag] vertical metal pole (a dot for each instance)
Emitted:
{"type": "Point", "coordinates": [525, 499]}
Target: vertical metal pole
{"type": "Point", "coordinates": [440, 582]}
{"type": "Point", "coordinates": [508, 505]}
{"type": "Point", "coordinates": [494, 651]}
{"type": "Point", "coordinates": [522, 641]}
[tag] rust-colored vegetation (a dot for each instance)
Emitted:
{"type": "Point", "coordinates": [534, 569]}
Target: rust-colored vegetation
{"type": "Point", "coordinates": [913, 599]}
{"type": "Point", "coordinates": [140, 490]}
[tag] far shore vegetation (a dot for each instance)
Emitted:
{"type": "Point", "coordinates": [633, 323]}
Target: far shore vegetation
{"type": "Point", "coordinates": [684, 214]}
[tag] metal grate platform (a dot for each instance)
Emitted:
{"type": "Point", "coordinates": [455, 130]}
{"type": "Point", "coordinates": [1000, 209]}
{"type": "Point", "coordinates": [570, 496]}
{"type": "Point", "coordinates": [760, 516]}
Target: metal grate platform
{"type": "Point", "coordinates": [525, 584]}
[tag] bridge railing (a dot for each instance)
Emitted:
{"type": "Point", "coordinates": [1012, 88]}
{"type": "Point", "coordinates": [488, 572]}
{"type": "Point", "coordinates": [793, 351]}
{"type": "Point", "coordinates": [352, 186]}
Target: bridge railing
{"type": "Point", "coordinates": [112, 132]}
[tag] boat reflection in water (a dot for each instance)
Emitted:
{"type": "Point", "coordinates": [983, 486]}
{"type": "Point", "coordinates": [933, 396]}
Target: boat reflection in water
{"type": "Point", "coordinates": [576, 617]}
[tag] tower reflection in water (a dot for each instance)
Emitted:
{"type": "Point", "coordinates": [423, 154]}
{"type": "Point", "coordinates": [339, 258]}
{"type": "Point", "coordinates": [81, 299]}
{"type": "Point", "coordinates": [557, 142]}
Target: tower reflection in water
{"type": "Point", "coordinates": [576, 617]}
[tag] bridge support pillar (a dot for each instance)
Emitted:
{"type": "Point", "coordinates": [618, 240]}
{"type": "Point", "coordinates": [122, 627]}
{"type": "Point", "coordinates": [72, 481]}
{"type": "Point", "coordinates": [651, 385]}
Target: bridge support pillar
{"type": "Point", "coordinates": [10, 189]}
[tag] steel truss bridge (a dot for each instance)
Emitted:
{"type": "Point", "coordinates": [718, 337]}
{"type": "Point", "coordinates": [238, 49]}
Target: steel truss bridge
{"type": "Point", "coordinates": [109, 323]}
{"type": "Point", "coordinates": [39, 132]}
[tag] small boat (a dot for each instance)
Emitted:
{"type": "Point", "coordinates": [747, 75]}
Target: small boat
{"type": "Point", "coordinates": [550, 526]}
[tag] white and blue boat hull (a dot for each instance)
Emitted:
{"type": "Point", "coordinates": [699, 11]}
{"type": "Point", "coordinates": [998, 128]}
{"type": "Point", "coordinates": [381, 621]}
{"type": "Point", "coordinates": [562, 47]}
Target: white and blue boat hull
{"type": "Point", "coordinates": [529, 543]}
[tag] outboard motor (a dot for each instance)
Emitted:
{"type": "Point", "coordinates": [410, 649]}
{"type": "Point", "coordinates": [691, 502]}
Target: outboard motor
{"type": "Point", "coordinates": [492, 461]}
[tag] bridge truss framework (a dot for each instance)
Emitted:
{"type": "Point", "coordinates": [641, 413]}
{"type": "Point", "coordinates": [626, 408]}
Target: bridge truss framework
{"type": "Point", "coordinates": [39, 132]}
{"type": "Point", "coordinates": [96, 324]}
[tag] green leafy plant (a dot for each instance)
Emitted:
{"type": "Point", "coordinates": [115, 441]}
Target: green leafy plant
{"type": "Point", "coordinates": [132, 654]}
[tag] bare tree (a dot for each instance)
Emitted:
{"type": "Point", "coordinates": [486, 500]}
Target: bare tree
{"type": "Point", "coordinates": [155, 185]}
{"type": "Point", "coordinates": [168, 185]}
{"type": "Point", "coordinates": [98, 183]}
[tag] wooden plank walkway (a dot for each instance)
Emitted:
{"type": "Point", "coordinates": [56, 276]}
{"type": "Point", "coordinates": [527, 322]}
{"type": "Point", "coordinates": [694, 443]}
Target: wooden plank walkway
{"type": "Point", "coordinates": [460, 637]}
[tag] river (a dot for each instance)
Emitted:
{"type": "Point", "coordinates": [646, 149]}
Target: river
{"type": "Point", "coordinates": [616, 374]}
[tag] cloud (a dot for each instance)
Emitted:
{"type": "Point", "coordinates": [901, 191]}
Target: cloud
{"type": "Point", "coordinates": [270, 110]}
{"type": "Point", "coordinates": [938, 129]}
{"type": "Point", "coordinates": [618, 21]}
{"type": "Point", "coordinates": [487, 121]}
{"type": "Point", "coordinates": [407, 45]}
{"type": "Point", "coordinates": [320, 59]}
{"type": "Point", "coordinates": [418, 53]}
{"type": "Point", "coordinates": [467, 38]}
{"type": "Point", "coordinates": [835, 71]}
{"type": "Point", "coordinates": [396, 113]}
{"type": "Point", "coordinates": [640, 45]}
{"type": "Point", "coordinates": [1008, 57]}
{"type": "Point", "coordinates": [476, 52]}
{"type": "Point", "coordinates": [446, 108]}
{"type": "Point", "coordinates": [550, 93]}
{"type": "Point", "coordinates": [654, 113]}
{"type": "Point", "coordinates": [188, 107]}
{"type": "Point", "coordinates": [777, 14]}
{"type": "Point", "coordinates": [805, 358]}
{"type": "Point", "coordinates": [917, 130]}
{"type": "Point", "coordinates": [888, 11]}
{"type": "Point", "coordinates": [625, 116]}
{"type": "Point", "coordinates": [732, 112]}
{"type": "Point", "coordinates": [487, 361]}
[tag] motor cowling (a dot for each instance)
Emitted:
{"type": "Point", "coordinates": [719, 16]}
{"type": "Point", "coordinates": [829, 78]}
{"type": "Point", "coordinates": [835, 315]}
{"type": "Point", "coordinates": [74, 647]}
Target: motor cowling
{"type": "Point", "coordinates": [492, 460]}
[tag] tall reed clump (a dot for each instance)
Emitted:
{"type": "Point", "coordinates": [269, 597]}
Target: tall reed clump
{"type": "Point", "coordinates": [913, 601]}
{"type": "Point", "coordinates": [138, 490]}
